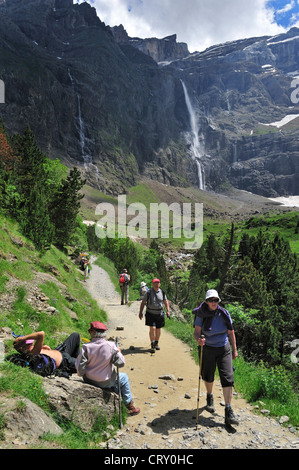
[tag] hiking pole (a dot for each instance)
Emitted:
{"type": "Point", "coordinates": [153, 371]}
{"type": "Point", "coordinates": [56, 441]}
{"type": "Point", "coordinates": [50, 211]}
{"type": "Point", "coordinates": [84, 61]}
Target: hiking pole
{"type": "Point", "coordinates": [200, 367]}
{"type": "Point", "coordinates": [119, 393]}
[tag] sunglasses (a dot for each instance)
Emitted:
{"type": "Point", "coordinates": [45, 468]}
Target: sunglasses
{"type": "Point", "coordinates": [212, 300]}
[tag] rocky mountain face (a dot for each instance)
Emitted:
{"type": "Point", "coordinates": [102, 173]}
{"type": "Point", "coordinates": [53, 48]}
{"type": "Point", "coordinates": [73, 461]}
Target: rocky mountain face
{"type": "Point", "coordinates": [161, 50]}
{"type": "Point", "coordinates": [237, 90]}
{"type": "Point", "coordinates": [121, 108]}
{"type": "Point", "coordinates": [88, 101]}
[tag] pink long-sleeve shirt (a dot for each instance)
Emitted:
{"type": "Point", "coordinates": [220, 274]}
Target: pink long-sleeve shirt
{"type": "Point", "coordinates": [96, 359]}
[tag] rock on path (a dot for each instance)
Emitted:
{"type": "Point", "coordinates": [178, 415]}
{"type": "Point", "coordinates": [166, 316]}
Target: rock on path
{"type": "Point", "coordinates": [165, 384]}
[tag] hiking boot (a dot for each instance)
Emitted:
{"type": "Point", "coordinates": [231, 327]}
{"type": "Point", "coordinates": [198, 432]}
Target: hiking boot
{"type": "Point", "coordinates": [132, 410]}
{"type": "Point", "coordinates": [210, 403]}
{"type": "Point", "coordinates": [230, 417]}
{"type": "Point", "coordinates": [157, 346]}
{"type": "Point", "coordinates": [152, 350]}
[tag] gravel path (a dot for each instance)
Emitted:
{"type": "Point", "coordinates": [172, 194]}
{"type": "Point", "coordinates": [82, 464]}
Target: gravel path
{"type": "Point", "coordinates": [168, 405]}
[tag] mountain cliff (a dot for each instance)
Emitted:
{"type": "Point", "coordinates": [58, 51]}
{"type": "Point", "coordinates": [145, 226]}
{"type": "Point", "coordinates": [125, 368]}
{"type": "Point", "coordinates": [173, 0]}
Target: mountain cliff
{"type": "Point", "coordinates": [89, 101]}
{"type": "Point", "coordinates": [161, 50]}
{"type": "Point", "coordinates": [245, 100]}
{"type": "Point", "coordinates": [121, 108]}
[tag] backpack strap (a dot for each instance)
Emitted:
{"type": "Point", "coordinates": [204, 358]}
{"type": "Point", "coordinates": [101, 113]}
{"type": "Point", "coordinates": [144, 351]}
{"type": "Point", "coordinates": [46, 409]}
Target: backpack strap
{"type": "Point", "coordinates": [42, 364]}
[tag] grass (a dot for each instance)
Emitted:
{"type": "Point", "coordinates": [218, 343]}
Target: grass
{"type": "Point", "coordinates": [73, 438]}
{"type": "Point", "coordinates": [142, 194]}
{"type": "Point", "coordinates": [272, 387]}
{"type": "Point", "coordinates": [285, 225]}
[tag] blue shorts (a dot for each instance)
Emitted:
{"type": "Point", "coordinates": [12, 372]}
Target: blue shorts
{"type": "Point", "coordinates": [155, 319]}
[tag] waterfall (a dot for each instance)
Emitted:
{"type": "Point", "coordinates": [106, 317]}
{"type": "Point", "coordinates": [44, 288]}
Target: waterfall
{"type": "Point", "coordinates": [235, 152]}
{"type": "Point", "coordinates": [195, 145]}
{"type": "Point", "coordinates": [80, 126]}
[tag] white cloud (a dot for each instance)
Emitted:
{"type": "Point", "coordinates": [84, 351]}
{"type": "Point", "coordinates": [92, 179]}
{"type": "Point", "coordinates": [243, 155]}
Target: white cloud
{"type": "Point", "coordinates": [199, 23]}
{"type": "Point", "coordinates": [286, 8]}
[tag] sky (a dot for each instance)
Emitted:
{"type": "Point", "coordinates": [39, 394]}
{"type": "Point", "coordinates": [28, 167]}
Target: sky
{"type": "Point", "coordinates": [199, 23]}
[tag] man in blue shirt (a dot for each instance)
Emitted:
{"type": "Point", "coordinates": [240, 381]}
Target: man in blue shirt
{"type": "Point", "coordinates": [214, 322]}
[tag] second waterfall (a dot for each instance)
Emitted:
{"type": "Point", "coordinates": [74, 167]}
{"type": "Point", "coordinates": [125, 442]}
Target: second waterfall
{"type": "Point", "coordinates": [195, 144]}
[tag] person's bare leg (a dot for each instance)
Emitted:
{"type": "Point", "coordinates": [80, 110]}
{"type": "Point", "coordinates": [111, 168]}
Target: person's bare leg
{"type": "Point", "coordinates": [152, 333]}
{"type": "Point", "coordinates": [209, 387]}
{"type": "Point", "coordinates": [227, 394]}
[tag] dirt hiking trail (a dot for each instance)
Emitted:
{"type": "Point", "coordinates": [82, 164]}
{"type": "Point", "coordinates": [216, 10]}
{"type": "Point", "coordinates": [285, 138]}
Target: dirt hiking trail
{"type": "Point", "coordinates": [167, 419]}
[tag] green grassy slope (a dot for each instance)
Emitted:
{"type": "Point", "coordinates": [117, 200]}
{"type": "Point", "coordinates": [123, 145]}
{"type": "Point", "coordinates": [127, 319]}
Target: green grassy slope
{"type": "Point", "coordinates": [53, 274]}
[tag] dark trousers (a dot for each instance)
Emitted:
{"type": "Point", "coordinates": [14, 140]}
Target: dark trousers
{"type": "Point", "coordinates": [69, 349]}
{"type": "Point", "coordinates": [124, 293]}
{"type": "Point", "coordinates": [222, 358]}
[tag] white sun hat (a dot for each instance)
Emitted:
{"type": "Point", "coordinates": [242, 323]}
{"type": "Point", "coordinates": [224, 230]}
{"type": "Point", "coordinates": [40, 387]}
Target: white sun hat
{"type": "Point", "coordinates": [212, 293]}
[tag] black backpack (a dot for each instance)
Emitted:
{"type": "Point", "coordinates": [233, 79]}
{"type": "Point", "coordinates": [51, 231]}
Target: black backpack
{"type": "Point", "coordinates": [41, 364]}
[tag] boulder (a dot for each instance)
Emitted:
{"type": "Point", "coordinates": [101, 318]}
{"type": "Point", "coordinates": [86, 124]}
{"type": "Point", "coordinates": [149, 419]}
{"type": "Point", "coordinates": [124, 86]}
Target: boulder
{"type": "Point", "coordinates": [24, 418]}
{"type": "Point", "coordinates": [75, 400]}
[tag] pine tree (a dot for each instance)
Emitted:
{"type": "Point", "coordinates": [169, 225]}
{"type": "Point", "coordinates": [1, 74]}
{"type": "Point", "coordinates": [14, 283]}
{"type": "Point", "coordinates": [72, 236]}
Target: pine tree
{"type": "Point", "coordinates": [31, 172]}
{"type": "Point", "coordinates": [228, 258]}
{"type": "Point", "coordinates": [163, 275]}
{"type": "Point", "coordinates": [64, 207]}
{"type": "Point", "coordinates": [213, 257]}
{"type": "Point", "coordinates": [36, 223]}
{"type": "Point", "coordinates": [199, 276]}
{"type": "Point", "coordinates": [30, 179]}
{"type": "Point", "coordinates": [245, 284]}
{"type": "Point", "coordinates": [269, 337]}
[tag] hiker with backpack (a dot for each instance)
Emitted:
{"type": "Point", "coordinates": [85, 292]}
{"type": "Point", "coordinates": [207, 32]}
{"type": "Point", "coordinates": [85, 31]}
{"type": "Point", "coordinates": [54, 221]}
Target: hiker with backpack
{"type": "Point", "coordinates": [142, 290]}
{"type": "Point", "coordinates": [96, 363]}
{"type": "Point", "coordinates": [86, 269]}
{"type": "Point", "coordinates": [214, 331]}
{"type": "Point", "coordinates": [124, 280]}
{"type": "Point", "coordinates": [84, 265]}
{"type": "Point", "coordinates": [42, 359]}
{"type": "Point", "coordinates": [154, 300]}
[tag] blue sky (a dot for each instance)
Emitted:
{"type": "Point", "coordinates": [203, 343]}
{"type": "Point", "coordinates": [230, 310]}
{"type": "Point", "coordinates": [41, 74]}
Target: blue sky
{"type": "Point", "coordinates": [199, 23]}
{"type": "Point", "coordinates": [286, 13]}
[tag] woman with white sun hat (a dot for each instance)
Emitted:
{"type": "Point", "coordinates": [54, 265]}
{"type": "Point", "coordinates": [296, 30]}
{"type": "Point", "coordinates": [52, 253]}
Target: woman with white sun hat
{"type": "Point", "coordinates": [214, 331]}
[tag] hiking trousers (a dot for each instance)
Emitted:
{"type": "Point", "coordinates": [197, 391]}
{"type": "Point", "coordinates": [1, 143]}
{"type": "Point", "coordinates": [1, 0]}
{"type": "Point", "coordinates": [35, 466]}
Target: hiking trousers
{"type": "Point", "coordinates": [69, 349]}
{"type": "Point", "coordinates": [124, 293]}
{"type": "Point", "coordinates": [220, 357]}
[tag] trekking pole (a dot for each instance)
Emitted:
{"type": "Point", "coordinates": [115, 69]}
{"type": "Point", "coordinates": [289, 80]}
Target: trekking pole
{"type": "Point", "coordinates": [200, 367]}
{"type": "Point", "coordinates": [119, 393]}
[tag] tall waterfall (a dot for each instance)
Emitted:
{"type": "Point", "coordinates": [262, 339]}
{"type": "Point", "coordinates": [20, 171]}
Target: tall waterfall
{"type": "Point", "coordinates": [195, 145]}
{"type": "Point", "coordinates": [81, 128]}
{"type": "Point", "coordinates": [87, 159]}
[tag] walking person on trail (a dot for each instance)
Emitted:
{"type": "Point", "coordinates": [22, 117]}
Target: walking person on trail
{"type": "Point", "coordinates": [84, 265]}
{"type": "Point", "coordinates": [96, 361]}
{"type": "Point", "coordinates": [86, 268]}
{"type": "Point", "coordinates": [124, 280]}
{"type": "Point", "coordinates": [154, 299]}
{"type": "Point", "coordinates": [142, 290]}
{"type": "Point", "coordinates": [214, 322]}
